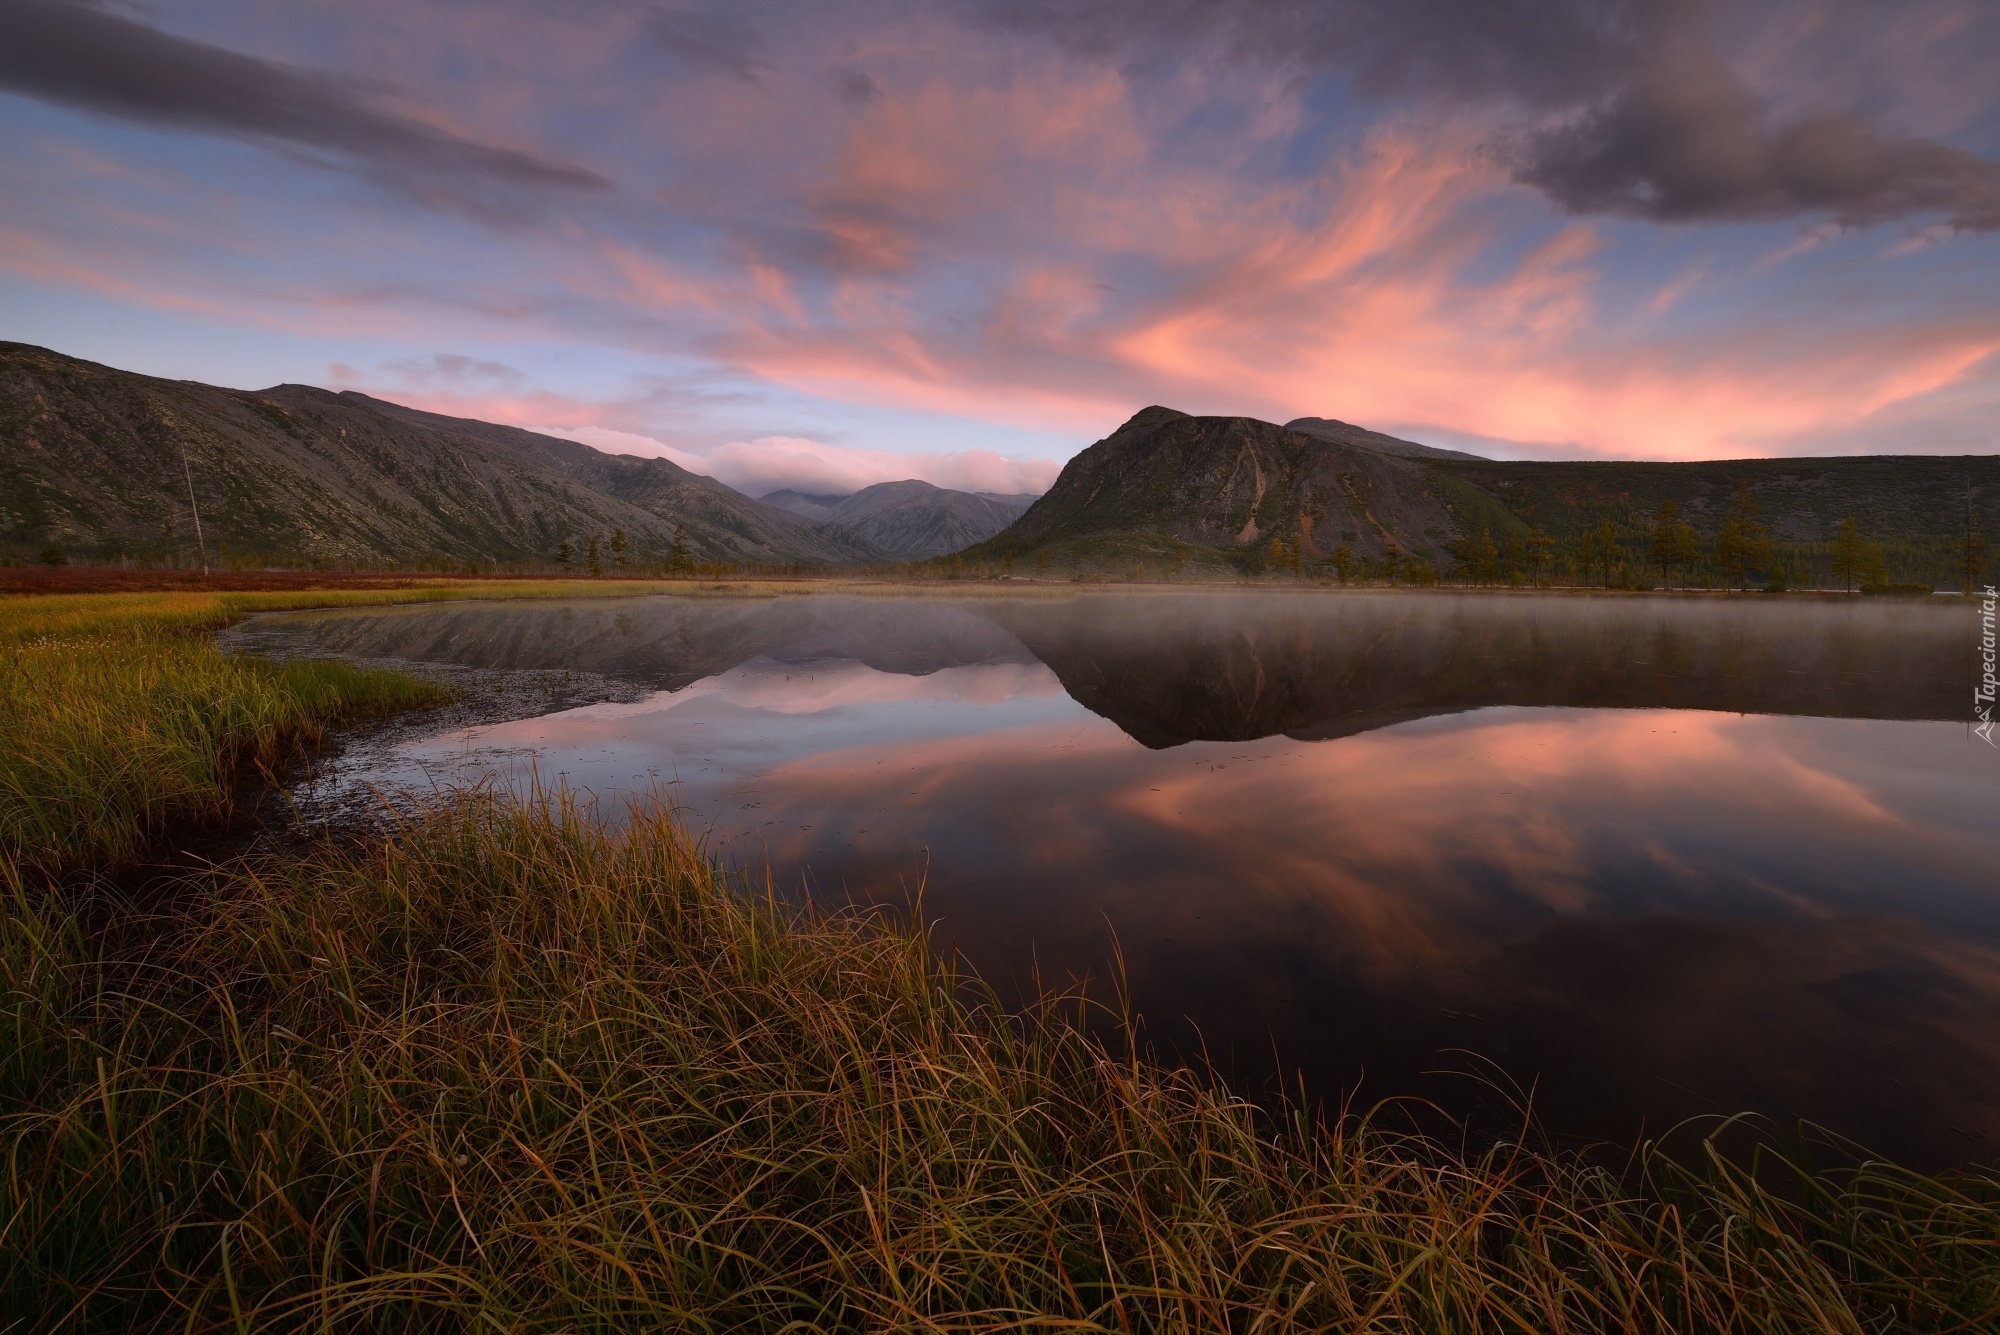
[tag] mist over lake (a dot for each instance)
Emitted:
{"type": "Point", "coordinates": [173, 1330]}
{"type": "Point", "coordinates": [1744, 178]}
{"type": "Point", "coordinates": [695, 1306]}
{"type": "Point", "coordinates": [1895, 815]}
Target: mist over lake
{"type": "Point", "coordinates": [1648, 858]}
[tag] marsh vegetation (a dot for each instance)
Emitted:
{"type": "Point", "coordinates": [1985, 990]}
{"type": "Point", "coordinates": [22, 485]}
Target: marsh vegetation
{"type": "Point", "coordinates": [518, 1065]}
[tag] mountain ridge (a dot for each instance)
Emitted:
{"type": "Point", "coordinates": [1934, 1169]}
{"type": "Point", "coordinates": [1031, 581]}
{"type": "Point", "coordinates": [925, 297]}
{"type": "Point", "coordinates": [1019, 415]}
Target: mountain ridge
{"type": "Point", "coordinates": [1167, 490]}
{"type": "Point", "coordinates": [99, 463]}
{"type": "Point", "coordinates": [1167, 483]}
{"type": "Point", "coordinates": [1346, 433]}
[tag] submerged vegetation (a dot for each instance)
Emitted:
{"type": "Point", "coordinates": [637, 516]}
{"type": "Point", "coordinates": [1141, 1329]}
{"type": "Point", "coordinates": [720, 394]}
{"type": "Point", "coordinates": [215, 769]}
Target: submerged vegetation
{"type": "Point", "coordinates": [514, 1067]}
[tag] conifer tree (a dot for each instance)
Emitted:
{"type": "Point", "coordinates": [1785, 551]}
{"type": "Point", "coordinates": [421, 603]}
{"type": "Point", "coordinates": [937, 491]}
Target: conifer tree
{"type": "Point", "coordinates": [1486, 558]}
{"type": "Point", "coordinates": [1663, 532]}
{"type": "Point", "coordinates": [1597, 550]}
{"type": "Point", "coordinates": [1874, 565]}
{"type": "Point", "coordinates": [678, 556]}
{"type": "Point", "coordinates": [1848, 553]}
{"type": "Point", "coordinates": [619, 545]}
{"type": "Point", "coordinates": [1970, 550]}
{"type": "Point", "coordinates": [1541, 555]}
{"type": "Point", "coordinates": [1743, 544]}
{"type": "Point", "coordinates": [1343, 561]}
{"type": "Point", "coordinates": [593, 559]}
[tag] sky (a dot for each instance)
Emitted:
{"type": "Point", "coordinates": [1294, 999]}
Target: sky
{"type": "Point", "coordinates": [820, 245]}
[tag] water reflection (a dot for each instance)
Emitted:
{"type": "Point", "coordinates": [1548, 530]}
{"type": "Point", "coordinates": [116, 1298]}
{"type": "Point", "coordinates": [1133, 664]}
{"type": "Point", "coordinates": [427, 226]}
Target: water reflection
{"type": "Point", "coordinates": [1364, 833]}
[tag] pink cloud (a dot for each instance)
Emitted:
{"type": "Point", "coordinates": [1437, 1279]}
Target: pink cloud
{"type": "Point", "coordinates": [1008, 233]}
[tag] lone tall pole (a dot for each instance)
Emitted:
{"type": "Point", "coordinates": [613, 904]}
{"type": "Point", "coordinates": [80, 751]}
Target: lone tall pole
{"type": "Point", "coordinates": [188, 469]}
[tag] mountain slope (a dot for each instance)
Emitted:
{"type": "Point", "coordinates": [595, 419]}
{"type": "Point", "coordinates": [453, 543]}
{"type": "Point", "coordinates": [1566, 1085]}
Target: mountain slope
{"type": "Point", "coordinates": [1166, 488]}
{"type": "Point", "coordinates": [98, 462]}
{"type": "Point", "coordinates": [718, 517]}
{"type": "Point", "coordinates": [1166, 481]}
{"type": "Point", "coordinates": [905, 521]}
{"type": "Point", "coordinates": [1801, 500]}
{"type": "Point", "coordinates": [912, 520]}
{"type": "Point", "coordinates": [806, 505]}
{"type": "Point", "coordinates": [1344, 433]}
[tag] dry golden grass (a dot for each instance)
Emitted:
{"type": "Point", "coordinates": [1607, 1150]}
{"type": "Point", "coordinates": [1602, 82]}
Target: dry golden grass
{"type": "Point", "coordinates": [514, 1071]}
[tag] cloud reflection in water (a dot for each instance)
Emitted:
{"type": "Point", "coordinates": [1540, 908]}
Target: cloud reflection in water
{"type": "Point", "coordinates": [1658, 856]}
{"type": "Point", "coordinates": [1655, 912]}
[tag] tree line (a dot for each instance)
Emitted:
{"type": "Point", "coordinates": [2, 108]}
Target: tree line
{"type": "Point", "coordinates": [1740, 553]}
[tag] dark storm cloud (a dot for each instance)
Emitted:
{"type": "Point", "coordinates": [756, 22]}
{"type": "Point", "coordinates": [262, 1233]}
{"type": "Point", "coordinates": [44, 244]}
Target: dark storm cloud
{"type": "Point", "coordinates": [94, 61]}
{"type": "Point", "coordinates": [1543, 53]}
{"type": "Point", "coordinates": [1649, 121]}
{"type": "Point", "coordinates": [1687, 141]}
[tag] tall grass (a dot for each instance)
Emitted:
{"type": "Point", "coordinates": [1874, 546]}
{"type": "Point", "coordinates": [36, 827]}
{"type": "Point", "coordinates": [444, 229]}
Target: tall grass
{"type": "Point", "coordinates": [119, 718]}
{"type": "Point", "coordinates": [106, 742]}
{"type": "Point", "coordinates": [514, 1071]}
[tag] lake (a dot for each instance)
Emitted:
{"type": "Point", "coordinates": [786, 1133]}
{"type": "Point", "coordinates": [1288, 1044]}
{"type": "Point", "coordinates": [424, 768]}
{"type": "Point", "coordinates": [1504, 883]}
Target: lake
{"type": "Point", "coordinates": [1650, 858]}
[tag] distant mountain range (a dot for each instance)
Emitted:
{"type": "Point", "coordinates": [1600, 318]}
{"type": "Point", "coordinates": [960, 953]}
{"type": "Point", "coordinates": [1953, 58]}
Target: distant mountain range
{"type": "Point", "coordinates": [907, 520]}
{"type": "Point", "coordinates": [99, 464]}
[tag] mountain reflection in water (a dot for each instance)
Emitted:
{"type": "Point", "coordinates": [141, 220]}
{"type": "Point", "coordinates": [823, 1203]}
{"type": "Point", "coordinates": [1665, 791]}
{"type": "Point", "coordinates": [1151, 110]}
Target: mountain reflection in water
{"type": "Point", "coordinates": [1659, 857]}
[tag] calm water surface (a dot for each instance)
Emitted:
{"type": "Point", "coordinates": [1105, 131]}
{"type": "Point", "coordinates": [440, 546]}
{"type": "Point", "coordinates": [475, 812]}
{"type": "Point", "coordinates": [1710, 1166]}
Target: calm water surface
{"type": "Point", "coordinates": [1656, 858]}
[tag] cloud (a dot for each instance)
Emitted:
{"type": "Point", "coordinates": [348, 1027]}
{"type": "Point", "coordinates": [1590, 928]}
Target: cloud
{"type": "Point", "coordinates": [856, 88]}
{"type": "Point", "coordinates": [75, 56]}
{"type": "Point", "coordinates": [1540, 53]}
{"type": "Point", "coordinates": [720, 43]}
{"type": "Point", "coordinates": [1045, 220]}
{"type": "Point", "coordinates": [1688, 141]}
{"type": "Point", "coordinates": [1648, 119]}
{"type": "Point", "coordinates": [453, 370]}
{"type": "Point", "coordinates": [778, 463]}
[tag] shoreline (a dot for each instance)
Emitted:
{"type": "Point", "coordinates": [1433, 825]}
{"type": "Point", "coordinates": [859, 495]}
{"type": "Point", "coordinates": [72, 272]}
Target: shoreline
{"type": "Point", "coordinates": [435, 1073]}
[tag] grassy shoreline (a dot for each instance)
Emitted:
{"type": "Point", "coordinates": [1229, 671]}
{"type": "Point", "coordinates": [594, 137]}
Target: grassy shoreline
{"type": "Point", "coordinates": [513, 1070]}
{"type": "Point", "coordinates": [120, 720]}
{"type": "Point", "coordinates": [508, 1068]}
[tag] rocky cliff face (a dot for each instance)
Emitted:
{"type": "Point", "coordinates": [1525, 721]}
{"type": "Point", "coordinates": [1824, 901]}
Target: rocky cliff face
{"type": "Point", "coordinates": [1235, 483]}
{"type": "Point", "coordinates": [99, 463]}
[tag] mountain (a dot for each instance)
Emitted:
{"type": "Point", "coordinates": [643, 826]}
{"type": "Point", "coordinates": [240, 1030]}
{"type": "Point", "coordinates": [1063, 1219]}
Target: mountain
{"type": "Point", "coordinates": [99, 462]}
{"type": "Point", "coordinates": [908, 520]}
{"type": "Point", "coordinates": [1167, 489]}
{"type": "Point", "coordinates": [1167, 485]}
{"type": "Point", "coordinates": [912, 520]}
{"type": "Point", "coordinates": [1343, 433]}
{"type": "Point", "coordinates": [806, 505]}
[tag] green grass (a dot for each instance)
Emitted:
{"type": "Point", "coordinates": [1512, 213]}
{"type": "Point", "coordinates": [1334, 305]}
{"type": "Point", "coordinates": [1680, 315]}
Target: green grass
{"type": "Point", "coordinates": [120, 721]}
{"type": "Point", "coordinates": [107, 742]}
{"type": "Point", "coordinates": [514, 1071]}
